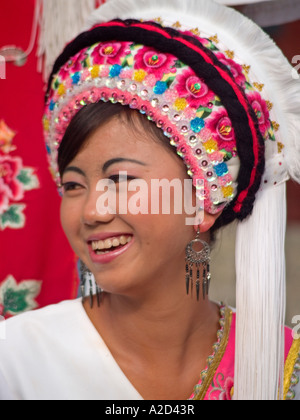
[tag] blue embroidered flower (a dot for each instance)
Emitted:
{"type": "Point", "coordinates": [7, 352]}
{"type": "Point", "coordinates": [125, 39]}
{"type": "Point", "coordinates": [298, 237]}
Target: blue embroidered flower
{"type": "Point", "coordinates": [197, 125]}
{"type": "Point", "coordinates": [221, 169]}
{"type": "Point", "coordinates": [115, 70]}
{"type": "Point", "coordinates": [52, 105]}
{"type": "Point", "coordinates": [76, 78]}
{"type": "Point", "coordinates": [160, 88]}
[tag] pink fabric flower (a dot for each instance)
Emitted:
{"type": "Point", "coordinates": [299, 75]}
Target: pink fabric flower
{"type": "Point", "coordinates": [225, 180]}
{"type": "Point", "coordinates": [222, 130]}
{"type": "Point", "coordinates": [205, 134]}
{"type": "Point", "coordinates": [10, 168]}
{"type": "Point", "coordinates": [73, 65]}
{"type": "Point", "coordinates": [194, 90]}
{"type": "Point", "coordinates": [216, 157]}
{"type": "Point", "coordinates": [235, 69]}
{"type": "Point", "coordinates": [126, 73]}
{"type": "Point", "coordinates": [110, 52]}
{"type": "Point", "coordinates": [226, 394]}
{"type": "Point", "coordinates": [171, 95]}
{"type": "Point", "coordinates": [154, 62]}
{"type": "Point", "coordinates": [261, 111]}
{"type": "Point", "coordinates": [104, 71]}
{"type": "Point", "coordinates": [4, 197]}
{"type": "Point", "coordinates": [85, 74]}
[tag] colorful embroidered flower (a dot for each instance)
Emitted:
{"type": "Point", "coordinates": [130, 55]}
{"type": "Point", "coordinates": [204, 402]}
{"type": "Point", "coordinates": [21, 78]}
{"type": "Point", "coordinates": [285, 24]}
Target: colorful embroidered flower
{"type": "Point", "coordinates": [139, 75]}
{"type": "Point", "coordinates": [222, 130]}
{"type": "Point", "coordinates": [228, 191]}
{"type": "Point", "coordinates": [180, 104]}
{"type": "Point", "coordinates": [104, 71]}
{"type": "Point", "coordinates": [6, 137]}
{"type": "Point", "coordinates": [194, 89]}
{"type": "Point", "coordinates": [10, 168]}
{"type": "Point", "coordinates": [205, 134]}
{"type": "Point", "coordinates": [211, 146]}
{"type": "Point", "coordinates": [61, 89]}
{"type": "Point", "coordinates": [154, 62]}
{"type": "Point", "coordinates": [160, 88]}
{"type": "Point", "coordinates": [4, 196]}
{"type": "Point", "coordinates": [110, 52]}
{"type": "Point", "coordinates": [16, 297]}
{"type": "Point", "coordinates": [126, 73]}
{"type": "Point", "coordinates": [225, 180]}
{"type": "Point", "coordinates": [197, 125]}
{"type": "Point", "coordinates": [235, 69]}
{"type": "Point", "coordinates": [261, 110]}
{"type": "Point", "coordinates": [221, 169]}
{"type": "Point", "coordinates": [226, 394]}
{"type": "Point", "coordinates": [85, 74]}
{"type": "Point", "coordinates": [75, 78]}
{"type": "Point", "coordinates": [95, 71]}
{"type": "Point", "coordinates": [115, 70]}
{"type": "Point", "coordinates": [73, 65]}
{"type": "Point", "coordinates": [216, 157]}
{"type": "Point", "coordinates": [171, 95]}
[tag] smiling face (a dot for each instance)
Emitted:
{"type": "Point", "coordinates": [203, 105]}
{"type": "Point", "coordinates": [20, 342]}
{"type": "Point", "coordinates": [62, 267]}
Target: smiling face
{"type": "Point", "coordinates": [124, 251]}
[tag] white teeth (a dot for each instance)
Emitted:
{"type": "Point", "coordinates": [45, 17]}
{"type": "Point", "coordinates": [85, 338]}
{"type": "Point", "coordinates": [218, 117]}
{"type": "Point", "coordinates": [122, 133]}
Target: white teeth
{"type": "Point", "coordinates": [110, 243]}
{"type": "Point", "coordinates": [115, 242]}
{"type": "Point", "coordinates": [123, 240]}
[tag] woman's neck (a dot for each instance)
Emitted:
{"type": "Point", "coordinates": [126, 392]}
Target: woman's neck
{"type": "Point", "coordinates": [172, 336]}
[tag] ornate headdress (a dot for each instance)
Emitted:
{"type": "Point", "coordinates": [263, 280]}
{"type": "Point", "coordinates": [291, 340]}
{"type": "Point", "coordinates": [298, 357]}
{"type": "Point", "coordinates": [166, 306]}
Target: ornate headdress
{"type": "Point", "coordinates": [224, 94]}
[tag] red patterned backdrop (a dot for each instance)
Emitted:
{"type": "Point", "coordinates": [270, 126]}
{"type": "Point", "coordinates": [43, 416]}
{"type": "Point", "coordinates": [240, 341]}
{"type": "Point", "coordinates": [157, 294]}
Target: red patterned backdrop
{"type": "Point", "coordinates": [37, 266]}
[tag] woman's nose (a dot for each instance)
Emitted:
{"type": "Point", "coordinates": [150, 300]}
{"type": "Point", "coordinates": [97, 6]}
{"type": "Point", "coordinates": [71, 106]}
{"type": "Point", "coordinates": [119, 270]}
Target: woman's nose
{"type": "Point", "coordinates": [97, 209]}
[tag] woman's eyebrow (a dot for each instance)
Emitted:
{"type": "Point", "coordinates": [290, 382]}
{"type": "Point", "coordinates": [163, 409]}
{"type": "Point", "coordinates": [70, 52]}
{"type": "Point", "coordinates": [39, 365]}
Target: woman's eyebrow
{"type": "Point", "coordinates": [74, 169]}
{"type": "Point", "coordinates": [119, 160]}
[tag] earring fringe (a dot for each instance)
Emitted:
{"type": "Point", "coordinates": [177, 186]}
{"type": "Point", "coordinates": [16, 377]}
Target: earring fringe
{"type": "Point", "coordinates": [87, 276]}
{"type": "Point", "coordinates": [197, 258]}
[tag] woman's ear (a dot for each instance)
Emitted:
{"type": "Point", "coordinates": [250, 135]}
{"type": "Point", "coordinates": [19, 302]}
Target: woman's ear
{"type": "Point", "coordinates": [207, 222]}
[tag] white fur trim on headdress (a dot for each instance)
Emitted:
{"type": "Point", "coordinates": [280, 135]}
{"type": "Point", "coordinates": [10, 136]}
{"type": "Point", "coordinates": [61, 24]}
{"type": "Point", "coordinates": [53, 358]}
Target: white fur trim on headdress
{"type": "Point", "coordinates": [60, 21]}
{"type": "Point", "coordinates": [260, 239]}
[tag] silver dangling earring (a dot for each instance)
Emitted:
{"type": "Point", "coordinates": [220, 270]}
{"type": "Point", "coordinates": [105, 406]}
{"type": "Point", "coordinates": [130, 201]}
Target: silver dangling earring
{"type": "Point", "coordinates": [198, 258]}
{"type": "Point", "coordinates": [87, 277]}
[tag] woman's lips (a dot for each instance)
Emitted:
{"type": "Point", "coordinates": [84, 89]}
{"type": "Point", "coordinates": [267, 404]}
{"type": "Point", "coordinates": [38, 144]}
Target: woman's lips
{"type": "Point", "coordinates": [105, 248]}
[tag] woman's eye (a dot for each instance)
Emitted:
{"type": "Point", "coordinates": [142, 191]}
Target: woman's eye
{"type": "Point", "coordinates": [70, 186]}
{"type": "Point", "coordinates": [121, 178]}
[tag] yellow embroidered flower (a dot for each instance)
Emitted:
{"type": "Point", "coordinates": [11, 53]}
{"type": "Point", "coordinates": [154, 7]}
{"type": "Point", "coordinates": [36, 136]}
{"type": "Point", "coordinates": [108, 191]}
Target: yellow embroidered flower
{"type": "Point", "coordinates": [46, 124]}
{"type": "Point", "coordinates": [61, 89]}
{"type": "Point", "coordinates": [180, 104]}
{"type": "Point", "coordinates": [227, 191]}
{"type": "Point", "coordinates": [95, 71]}
{"type": "Point", "coordinates": [139, 75]}
{"type": "Point", "coordinates": [211, 146]}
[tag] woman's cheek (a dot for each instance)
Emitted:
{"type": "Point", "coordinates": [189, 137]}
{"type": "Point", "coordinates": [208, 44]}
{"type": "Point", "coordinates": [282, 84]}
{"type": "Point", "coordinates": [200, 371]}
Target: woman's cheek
{"type": "Point", "coordinates": [70, 218]}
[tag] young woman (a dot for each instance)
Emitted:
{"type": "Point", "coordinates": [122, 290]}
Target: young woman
{"type": "Point", "coordinates": [132, 104]}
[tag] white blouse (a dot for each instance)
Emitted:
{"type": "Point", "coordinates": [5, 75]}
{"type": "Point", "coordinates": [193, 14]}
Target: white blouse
{"type": "Point", "coordinates": [56, 353]}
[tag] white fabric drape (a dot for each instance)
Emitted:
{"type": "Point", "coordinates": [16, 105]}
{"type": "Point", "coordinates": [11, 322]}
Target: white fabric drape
{"type": "Point", "coordinates": [60, 22]}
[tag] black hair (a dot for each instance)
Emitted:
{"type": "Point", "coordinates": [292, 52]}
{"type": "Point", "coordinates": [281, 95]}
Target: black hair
{"type": "Point", "coordinates": [92, 117]}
